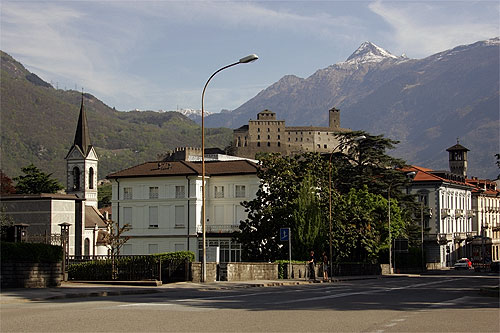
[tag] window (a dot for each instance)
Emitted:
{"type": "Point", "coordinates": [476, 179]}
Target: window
{"type": "Point", "coordinates": [153, 192]}
{"type": "Point", "coordinates": [258, 144]}
{"type": "Point", "coordinates": [179, 217]}
{"type": "Point", "coordinates": [269, 144]}
{"type": "Point", "coordinates": [76, 179]}
{"type": "Point", "coordinates": [278, 129]}
{"type": "Point", "coordinates": [153, 216]}
{"type": "Point", "coordinates": [279, 137]}
{"type": "Point", "coordinates": [127, 215]}
{"type": "Point", "coordinates": [240, 191]}
{"type": "Point", "coordinates": [279, 144]}
{"type": "Point", "coordinates": [258, 137]}
{"type": "Point", "coordinates": [127, 193]}
{"type": "Point", "coordinates": [86, 247]}
{"type": "Point", "coordinates": [152, 248]}
{"type": "Point", "coordinates": [325, 146]}
{"type": "Point", "coordinates": [219, 191]}
{"type": "Point", "coordinates": [319, 146]}
{"type": "Point", "coordinates": [269, 137]}
{"type": "Point", "coordinates": [258, 129]}
{"type": "Point", "coordinates": [180, 192]}
{"type": "Point", "coordinates": [91, 178]}
{"type": "Point", "coordinates": [268, 129]}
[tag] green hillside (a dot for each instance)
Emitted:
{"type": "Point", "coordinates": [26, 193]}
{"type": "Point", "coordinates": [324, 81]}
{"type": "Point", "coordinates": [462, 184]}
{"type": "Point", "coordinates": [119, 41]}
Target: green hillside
{"type": "Point", "coordinates": [38, 125]}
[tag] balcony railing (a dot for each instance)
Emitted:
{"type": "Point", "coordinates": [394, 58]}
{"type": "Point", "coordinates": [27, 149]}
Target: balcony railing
{"type": "Point", "coordinates": [445, 212]}
{"type": "Point", "coordinates": [459, 213]}
{"type": "Point", "coordinates": [219, 228]}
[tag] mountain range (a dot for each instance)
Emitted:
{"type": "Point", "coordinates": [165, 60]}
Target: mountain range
{"type": "Point", "coordinates": [38, 125]}
{"type": "Point", "coordinates": [426, 104]}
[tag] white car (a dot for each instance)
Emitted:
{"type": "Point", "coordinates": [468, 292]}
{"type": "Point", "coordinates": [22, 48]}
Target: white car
{"type": "Point", "coordinates": [463, 263]}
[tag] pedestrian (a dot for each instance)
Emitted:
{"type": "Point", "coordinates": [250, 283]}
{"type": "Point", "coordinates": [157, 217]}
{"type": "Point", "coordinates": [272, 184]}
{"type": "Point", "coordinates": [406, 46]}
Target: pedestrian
{"type": "Point", "coordinates": [325, 267]}
{"type": "Point", "coordinates": [311, 262]}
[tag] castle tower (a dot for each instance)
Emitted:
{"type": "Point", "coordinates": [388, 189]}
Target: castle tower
{"type": "Point", "coordinates": [334, 118]}
{"type": "Point", "coordinates": [458, 159]}
{"type": "Point", "coordinates": [81, 164]}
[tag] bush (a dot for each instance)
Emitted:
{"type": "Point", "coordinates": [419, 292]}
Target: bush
{"type": "Point", "coordinates": [129, 267]}
{"type": "Point", "coordinates": [30, 252]}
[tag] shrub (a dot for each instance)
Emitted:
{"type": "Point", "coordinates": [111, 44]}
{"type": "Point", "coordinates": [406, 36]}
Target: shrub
{"type": "Point", "coordinates": [31, 252]}
{"type": "Point", "coordinates": [129, 267]}
{"type": "Point", "coordinates": [282, 266]}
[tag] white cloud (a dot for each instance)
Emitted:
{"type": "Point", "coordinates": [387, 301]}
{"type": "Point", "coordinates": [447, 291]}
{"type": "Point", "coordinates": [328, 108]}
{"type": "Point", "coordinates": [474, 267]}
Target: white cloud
{"type": "Point", "coordinates": [51, 39]}
{"type": "Point", "coordinates": [421, 29]}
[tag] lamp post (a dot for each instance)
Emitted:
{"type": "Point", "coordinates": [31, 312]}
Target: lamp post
{"type": "Point", "coordinates": [330, 198]}
{"type": "Point", "coordinates": [247, 59]}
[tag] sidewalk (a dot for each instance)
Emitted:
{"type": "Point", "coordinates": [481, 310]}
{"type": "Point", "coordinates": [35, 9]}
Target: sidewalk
{"type": "Point", "coordinates": [81, 289]}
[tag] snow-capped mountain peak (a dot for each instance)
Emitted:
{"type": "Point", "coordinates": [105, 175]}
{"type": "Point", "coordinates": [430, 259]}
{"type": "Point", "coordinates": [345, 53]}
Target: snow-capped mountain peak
{"type": "Point", "coordinates": [369, 52]}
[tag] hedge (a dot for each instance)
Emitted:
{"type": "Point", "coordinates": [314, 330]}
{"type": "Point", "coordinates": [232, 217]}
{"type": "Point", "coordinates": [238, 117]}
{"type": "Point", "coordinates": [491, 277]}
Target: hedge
{"type": "Point", "coordinates": [30, 252]}
{"type": "Point", "coordinates": [101, 270]}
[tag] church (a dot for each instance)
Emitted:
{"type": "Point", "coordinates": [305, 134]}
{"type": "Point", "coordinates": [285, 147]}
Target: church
{"type": "Point", "coordinates": [42, 217]}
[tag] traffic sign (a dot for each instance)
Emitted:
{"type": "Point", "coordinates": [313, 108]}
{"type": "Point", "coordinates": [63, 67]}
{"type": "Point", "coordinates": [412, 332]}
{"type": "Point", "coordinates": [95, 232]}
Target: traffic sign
{"type": "Point", "coordinates": [284, 234]}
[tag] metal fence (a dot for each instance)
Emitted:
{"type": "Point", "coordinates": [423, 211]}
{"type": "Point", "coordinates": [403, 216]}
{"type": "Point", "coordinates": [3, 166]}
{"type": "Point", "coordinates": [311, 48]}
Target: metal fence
{"type": "Point", "coordinates": [130, 268]}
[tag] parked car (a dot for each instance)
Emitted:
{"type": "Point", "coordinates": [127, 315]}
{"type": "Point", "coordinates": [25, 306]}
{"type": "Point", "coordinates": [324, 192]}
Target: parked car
{"type": "Point", "coordinates": [463, 263]}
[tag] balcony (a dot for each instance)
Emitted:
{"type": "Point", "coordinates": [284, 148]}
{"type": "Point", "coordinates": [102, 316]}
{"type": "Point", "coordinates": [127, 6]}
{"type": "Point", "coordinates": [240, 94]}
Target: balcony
{"type": "Point", "coordinates": [219, 228]}
{"type": "Point", "coordinates": [443, 239]}
{"type": "Point", "coordinates": [445, 212]}
{"type": "Point", "coordinates": [459, 236]}
{"type": "Point", "coordinates": [459, 213]}
{"type": "Point", "coordinates": [471, 214]}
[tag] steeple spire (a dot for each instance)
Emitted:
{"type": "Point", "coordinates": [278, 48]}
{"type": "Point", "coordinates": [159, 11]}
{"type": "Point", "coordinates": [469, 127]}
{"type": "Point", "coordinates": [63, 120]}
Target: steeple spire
{"type": "Point", "coordinates": [82, 136]}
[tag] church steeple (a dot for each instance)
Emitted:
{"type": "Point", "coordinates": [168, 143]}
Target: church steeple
{"type": "Point", "coordinates": [81, 163]}
{"type": "Point", "coordinates": [82, 136]}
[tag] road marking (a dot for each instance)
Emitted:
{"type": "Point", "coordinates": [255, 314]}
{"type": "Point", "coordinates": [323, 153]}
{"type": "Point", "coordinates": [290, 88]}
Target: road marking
{"type": "Point", "coordinates": [360, 292]}
{"type": "Point", "coordinates": [145, 304]}
{"type": "Point", "coordinates": [391, 324]}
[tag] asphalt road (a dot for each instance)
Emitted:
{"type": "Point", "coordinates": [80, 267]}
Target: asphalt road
{"type": "Point", "coordinates": [404, 304]}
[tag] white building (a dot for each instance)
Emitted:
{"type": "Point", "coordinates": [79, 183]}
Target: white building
{"type": "Point", "coordinates": [449, 226]}
{"type": "Point", "coordinates": [162, 202]}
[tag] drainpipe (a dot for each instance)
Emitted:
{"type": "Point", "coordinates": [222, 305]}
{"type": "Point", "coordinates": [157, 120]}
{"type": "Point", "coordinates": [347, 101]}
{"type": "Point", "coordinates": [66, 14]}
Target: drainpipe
{"type": "Point", "coordinates": [118, 204]}
{"type": "Point", "coordinates": [188, 196]}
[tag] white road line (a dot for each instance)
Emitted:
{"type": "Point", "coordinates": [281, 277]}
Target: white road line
{"type": "Point", "coordinates": [146, 304]}
{"type": "Point", "coordinates": [360, 292]}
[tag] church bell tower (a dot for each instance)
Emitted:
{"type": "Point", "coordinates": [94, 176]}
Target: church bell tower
{"type": "Point", "coordinates": [81, 164]}
{"type": "Point", "coordinates": [458, 159]}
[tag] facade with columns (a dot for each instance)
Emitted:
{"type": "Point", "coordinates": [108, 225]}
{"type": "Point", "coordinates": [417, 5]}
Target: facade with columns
{"type": "Point", "coordinates": [463, 214]}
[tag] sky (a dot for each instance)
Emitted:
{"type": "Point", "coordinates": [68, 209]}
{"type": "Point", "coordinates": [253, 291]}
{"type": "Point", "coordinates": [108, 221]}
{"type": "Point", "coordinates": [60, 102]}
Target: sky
{"type": "Point", "coordinates": [158, 55]}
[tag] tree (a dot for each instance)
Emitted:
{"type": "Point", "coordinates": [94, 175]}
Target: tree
{"type": "Point", "coordinates": [6, 184]}
{"type": "Point", "coordinates": [361, 228]}
{"type": "Point", "coordinates": [365, 161]}
{"type": "Point", "coordinates": [115, 240]}
{"type": "Point", "coordinates": [307, 218]}
{"type": "Point", "coordinates": [277, 200]}
{"type": "Point", "coordinates": [36, 181]}
{"type": "Point", "coordinates": [104, 195]}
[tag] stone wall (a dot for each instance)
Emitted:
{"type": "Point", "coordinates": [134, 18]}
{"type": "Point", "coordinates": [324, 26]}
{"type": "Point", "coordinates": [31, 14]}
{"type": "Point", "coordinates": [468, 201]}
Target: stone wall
{"type": "Point", "coordinates": [247, 271]}
{"type": "Point", "coordinates": [30, 275]}
{"type": "Point", "coordinates": [211, 271]}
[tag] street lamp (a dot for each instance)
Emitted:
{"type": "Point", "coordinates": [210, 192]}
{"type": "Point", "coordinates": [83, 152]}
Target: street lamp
{"type": "Point", "coordinates": [247, 59]}
{"type": "Point", "coordinates": [361, 137]}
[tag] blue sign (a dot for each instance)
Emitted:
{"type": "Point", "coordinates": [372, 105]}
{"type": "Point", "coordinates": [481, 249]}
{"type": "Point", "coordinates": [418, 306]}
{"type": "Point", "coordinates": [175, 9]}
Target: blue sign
{"type": "Point", "coordinates": [284, 234]}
